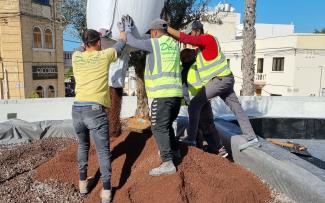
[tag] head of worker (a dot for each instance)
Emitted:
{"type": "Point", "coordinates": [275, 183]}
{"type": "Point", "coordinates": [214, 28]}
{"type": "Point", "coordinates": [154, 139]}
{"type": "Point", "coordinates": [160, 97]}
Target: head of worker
{"type": "Point", "coordinates": [188, 57]}
{"type": "Point", "coordinates": [157, 28]}
{"type": "Point", "coordinates": [91, 40]}
{"type": "Point", "coordinates": [197, 28]}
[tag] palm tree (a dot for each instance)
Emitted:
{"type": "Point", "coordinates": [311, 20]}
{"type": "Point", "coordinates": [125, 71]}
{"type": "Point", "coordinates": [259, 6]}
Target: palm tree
{"type": "Point", "coordinates": [249, 35]}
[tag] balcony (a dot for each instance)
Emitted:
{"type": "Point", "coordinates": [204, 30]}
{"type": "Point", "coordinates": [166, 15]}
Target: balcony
{"type": "Point", "coordinates": [260, 80]}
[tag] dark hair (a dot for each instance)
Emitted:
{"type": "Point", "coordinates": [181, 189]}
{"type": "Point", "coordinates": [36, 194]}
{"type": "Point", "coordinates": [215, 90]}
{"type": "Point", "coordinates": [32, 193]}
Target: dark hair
{"type": "Point", "coordinates": [90, 37]}
{"type": "Point", "coordinates": [188, 56]}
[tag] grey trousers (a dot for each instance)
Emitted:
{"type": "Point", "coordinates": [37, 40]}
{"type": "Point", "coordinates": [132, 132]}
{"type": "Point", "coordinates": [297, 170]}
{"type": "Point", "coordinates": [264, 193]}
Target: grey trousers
{"type": "Point", "coordinates": [164, 111]}
{"type": "Point", "coordinates": [224, 88]}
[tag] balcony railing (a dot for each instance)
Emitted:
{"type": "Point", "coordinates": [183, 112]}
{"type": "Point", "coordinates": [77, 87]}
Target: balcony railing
{"type": "Point", "coordinates": [260, 77]}
{"type": "Point", "coordinates": [260, 80]}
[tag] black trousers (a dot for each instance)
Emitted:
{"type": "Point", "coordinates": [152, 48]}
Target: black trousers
{"type": "Point", "coordinates": [163, 113]}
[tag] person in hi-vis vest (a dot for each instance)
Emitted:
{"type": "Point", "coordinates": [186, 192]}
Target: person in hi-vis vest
{"type": "Point", "coordinates": [192, 84]}
{"type": "Point", "coordinates": [163, 84]}
{"type": "Point", "coordinates": [217, 79]}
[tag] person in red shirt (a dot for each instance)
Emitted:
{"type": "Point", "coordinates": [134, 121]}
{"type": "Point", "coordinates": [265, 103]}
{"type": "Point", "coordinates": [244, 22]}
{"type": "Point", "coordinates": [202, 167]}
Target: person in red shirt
{"type": "Point", "coordinates": [219, 82]}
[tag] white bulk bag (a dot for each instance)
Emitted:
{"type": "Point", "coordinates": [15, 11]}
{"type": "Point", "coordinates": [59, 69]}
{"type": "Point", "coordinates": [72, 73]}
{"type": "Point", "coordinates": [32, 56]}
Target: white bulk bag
{"type": "Point", "coordinates": [106, 14]}
{"type": "Point", "coordinates": [117, 71]}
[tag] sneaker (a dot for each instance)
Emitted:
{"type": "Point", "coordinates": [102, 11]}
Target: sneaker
{"type": "Point", "coordinates": [83, 186]}
{"type": "Point", "coordinates": [106, 196]}
{"type": "Point", "coordinates": [223, 152]}
{"type": "Point", "coordinates": [251, 143]}
{"type": "Point", "coordinates": [166, 168]}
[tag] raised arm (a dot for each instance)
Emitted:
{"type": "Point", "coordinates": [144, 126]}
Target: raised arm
{"type": "Point", "coordinates": [186, 39]}
{"type": "Point", "coordinates": [174, 33]}
{"type": "Point", "coordinates": [120, 44]}
{"type": "Point", "coordinates": [143, 44]}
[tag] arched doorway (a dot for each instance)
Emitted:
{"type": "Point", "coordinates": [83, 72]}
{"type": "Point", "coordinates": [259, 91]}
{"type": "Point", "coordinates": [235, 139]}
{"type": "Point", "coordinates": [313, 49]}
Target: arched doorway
{"type": "Point", "coordinates": [50, 92]}
{"type": "Point", "coordinates": [40, 91]}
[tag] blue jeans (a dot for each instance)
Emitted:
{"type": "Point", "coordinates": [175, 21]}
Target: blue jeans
{"type": "Point", "coordinates": [91, 119]}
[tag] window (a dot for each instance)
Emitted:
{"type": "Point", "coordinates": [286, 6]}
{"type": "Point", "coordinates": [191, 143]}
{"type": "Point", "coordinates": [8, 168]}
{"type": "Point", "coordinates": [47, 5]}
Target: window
{"type": "Point", "coordinates": [40, 91]}
{"type": "Point", "coordinates": [37, 35]}
{"type": "Point", "coordinates": [323, 92]}
{"type": "Point", "coordinates": [44, 2]}
{"type": "Point", "coordinates": [260, 64]}
{"type": "Point", "coordinates": [278, 64]}
{"type": "Point", "coordinates": [48, 39]}
{"type": "Point", "coordinates": [50, 92]}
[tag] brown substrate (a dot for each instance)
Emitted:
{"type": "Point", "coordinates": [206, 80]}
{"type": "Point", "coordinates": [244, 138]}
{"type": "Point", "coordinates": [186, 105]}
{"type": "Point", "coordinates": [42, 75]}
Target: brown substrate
{"type": "Point", "coordinates": [138, 125]}
{"type": "Point", "coordinates": [201, 177]}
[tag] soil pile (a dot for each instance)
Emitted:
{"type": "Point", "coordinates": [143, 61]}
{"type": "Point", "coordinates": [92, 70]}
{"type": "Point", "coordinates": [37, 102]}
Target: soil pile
{"type": "Point", "coordinates": [201, 177]}
{"type": "Point", "coordinates": [16, 178]}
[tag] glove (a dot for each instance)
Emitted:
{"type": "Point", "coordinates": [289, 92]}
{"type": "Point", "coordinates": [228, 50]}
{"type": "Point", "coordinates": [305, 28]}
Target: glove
{"type": "Point", "coordinates": [120, 26]}
{"type": "Point", "coordinates": [128, 23]}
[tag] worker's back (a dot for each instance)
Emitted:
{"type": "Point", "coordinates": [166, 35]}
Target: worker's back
{"type": "Point", "coordinates": [90, 69]}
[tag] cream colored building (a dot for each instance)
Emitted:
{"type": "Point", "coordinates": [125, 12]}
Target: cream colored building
{"type": "Point", "coordinates": [31, 49]}
{"type": "Point", "coordinates": [292, 65]}
{"type": "Point", "coordinates": [287, 63]}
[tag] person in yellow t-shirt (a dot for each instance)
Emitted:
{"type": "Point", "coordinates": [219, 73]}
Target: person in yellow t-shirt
{"type": "Point", "coordinates": [89, 117]}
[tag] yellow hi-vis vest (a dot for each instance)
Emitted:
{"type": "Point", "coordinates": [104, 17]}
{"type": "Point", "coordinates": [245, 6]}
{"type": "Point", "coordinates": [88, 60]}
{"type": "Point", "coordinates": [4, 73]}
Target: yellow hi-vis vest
{"type": "Point", "coordinates": [217, 67]}
{"type": "Point", "coordinates": [194, 82]}
{"type": "Point", "coordinates": [162, 74]}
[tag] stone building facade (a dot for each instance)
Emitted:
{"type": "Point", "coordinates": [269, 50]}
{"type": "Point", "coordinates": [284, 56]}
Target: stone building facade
{"type": "Point", "coordinates": [31, 49]}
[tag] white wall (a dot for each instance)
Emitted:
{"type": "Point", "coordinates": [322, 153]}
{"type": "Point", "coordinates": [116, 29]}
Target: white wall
{"type": "Point", "coordinates": [269, 30]}
{"type": "Point", "coordinates": [60, 108]}
{"type": "Point", "coordinates": [227, 30]}
{"type": "Point", "coordinates": [51, 109]}
{"type": "Point", "coordinates": [303, 59]}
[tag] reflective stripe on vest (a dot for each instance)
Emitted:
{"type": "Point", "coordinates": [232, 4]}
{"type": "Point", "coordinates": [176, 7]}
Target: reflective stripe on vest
{"type": "Point", "coordinates": [163, 72]}
{"type": "Point", "coordinates": [194, 82]}
{"type": "Point", "coordinates": [210, 69]}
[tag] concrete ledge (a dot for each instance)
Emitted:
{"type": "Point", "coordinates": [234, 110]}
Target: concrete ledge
{"type": "Point", "coordinates": [33, 110]}
{"type": "Point", "coordinates": [279, 107]}
{"type": "Point", "coordinates": [292, 176]}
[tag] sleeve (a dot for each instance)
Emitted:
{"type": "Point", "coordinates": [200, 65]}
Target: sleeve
{"type": "Point", "coordinates": [143, 44]}
{"type": "Point", "coordinates": [111, 55]}
{"type": "Point", "coordinates": [193, 40]}
{"type": "Point", "coordinates": [119, 46]}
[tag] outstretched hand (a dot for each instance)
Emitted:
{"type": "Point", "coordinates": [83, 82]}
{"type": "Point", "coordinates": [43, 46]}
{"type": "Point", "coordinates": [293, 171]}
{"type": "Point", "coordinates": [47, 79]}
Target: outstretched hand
{"type": "Point", "coordinates": [128, 23]}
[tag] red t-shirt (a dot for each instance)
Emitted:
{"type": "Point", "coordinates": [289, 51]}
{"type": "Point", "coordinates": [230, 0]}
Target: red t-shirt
{"type": "Point", "coordinates": [206, 43]}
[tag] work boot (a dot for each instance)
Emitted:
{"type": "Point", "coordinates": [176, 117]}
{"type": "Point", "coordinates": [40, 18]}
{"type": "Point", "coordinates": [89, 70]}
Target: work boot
{"type": "Point", "coordinates": [106, 196]}
{"type": "Point", "coordinates": [83, 186]}
{"type": "Point", "coordinates": [223, 152]}
{"type": "Point", "coordinates": [166, 168]}
{"type": "Point", "coordinates": [250, 143]}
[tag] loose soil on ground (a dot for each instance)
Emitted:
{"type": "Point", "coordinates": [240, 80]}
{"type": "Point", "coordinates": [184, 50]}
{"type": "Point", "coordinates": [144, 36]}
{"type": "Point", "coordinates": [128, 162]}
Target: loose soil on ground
{"type": "Point", "coordinates": [201, 177]}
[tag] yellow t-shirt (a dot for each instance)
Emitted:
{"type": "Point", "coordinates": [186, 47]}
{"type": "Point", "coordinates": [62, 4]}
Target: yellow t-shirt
{"type": "Point", "coordinates": [90, 70]}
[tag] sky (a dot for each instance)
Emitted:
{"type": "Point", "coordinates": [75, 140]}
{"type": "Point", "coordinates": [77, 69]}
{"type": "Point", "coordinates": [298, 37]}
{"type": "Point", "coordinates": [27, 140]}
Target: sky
{"type": "Point", "coordinates": [305, 15]}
